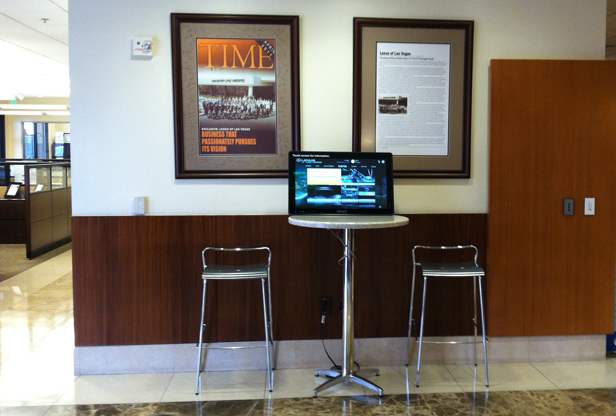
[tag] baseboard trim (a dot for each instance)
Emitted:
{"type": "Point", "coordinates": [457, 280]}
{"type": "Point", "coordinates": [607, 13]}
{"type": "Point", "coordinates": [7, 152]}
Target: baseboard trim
{"type": "Point", "coordinates": [180, 358]}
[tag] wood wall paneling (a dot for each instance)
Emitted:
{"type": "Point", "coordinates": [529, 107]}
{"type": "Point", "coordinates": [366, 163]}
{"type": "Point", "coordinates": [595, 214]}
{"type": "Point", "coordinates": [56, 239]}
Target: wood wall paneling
{"type": "Point", "coordinates": [552, 133]}
{"type": "Point", "coordinates": [137, 279]}
{"type": "Point", "coordinates": [141, 284]}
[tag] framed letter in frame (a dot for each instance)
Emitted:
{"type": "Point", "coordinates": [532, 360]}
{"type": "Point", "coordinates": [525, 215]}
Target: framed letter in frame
{"type": "Point", "coordinates": [412, 85]}
{"type": "Point", "coordinates": [236, 94]}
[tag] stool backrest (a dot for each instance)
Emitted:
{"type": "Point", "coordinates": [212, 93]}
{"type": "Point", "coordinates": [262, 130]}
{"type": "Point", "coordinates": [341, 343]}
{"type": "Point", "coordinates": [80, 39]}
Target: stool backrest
{"type": "Point", "coordinates": [445, 254]}
{"type": "Point", "coordinates": [236, 255]}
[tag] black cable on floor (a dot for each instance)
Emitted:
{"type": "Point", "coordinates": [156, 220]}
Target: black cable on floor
{"type": "Point", "coordinates": [335, 366]}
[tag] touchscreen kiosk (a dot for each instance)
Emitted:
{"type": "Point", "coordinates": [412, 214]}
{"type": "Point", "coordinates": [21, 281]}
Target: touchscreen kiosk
{"type": "Point", "coordinates": [349, 183]}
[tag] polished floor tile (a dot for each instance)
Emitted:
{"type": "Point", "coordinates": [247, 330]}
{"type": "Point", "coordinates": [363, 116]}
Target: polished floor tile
{"type": "Point", "coordinates": [217, 385]}
{"type": "Point", "coordinates": [502, 377]}
{"type": "Point", "coordinates": [120, 388]}
{"type": "Point", "coordinates": [402, 380]}
{"type": "Point", "coordinates": [576, 375]}
{"type": "Point", "coordinates": [295, 383]}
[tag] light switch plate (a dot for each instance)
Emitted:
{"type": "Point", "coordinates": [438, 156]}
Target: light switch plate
{"type": "Point", "coordinates": [589, 206]}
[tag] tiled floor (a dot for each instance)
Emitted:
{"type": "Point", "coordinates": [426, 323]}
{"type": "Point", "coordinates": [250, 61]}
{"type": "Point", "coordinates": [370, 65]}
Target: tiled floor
{"type": "Point", "coordinates": [36, 375]}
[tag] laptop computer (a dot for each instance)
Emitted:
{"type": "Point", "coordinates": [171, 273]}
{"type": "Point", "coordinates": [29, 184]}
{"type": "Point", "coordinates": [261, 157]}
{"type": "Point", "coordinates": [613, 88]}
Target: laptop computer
{"type": "Point", "coordinates": [341, 183]}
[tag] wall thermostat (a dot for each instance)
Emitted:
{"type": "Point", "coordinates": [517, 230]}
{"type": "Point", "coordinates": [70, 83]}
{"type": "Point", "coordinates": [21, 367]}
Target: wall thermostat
{"type": "Point", "coordinates": [141, 48]}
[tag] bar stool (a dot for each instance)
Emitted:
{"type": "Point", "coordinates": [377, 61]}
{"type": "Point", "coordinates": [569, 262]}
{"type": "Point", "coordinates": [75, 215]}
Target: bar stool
{"type": "Point", "coordinates": [464, 269]}
{"type": "Point", "coordinates": [243, 272]}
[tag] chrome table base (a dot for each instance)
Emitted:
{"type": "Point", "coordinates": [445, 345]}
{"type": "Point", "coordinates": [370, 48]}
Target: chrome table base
{"type": "Point", "coordinates": [347, 373]}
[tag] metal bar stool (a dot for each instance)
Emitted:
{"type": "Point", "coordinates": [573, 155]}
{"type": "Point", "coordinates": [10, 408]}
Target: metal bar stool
{"type": "Point", "coordinates": [243, 272]}
{"type": "Point", "coordinates": [464, 269]}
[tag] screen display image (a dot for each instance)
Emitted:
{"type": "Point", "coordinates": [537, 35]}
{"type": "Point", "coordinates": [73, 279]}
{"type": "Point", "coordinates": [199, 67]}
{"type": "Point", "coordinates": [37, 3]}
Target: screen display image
{"type": "Point", "coordinates": [340, 183]}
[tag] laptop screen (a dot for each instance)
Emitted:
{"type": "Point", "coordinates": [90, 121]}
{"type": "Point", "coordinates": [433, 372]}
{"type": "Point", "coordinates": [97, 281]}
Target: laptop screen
{"type": "Point", "coordinates": [341, 183]}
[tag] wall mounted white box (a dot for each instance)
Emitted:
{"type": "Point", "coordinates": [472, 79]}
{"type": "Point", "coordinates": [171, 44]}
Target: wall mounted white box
{"type": "Point", "coordinates": [141, 48]}
{"type": "Point", "coordinates": [139, 205]}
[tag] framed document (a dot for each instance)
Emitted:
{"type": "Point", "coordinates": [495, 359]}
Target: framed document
{"type": "Point", "coordinates": [236, 94]}
{"type": "Point", "coordinates": [412, 84]}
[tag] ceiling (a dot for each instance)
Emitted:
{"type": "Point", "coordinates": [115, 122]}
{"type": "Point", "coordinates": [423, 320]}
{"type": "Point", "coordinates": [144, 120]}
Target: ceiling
{"type": "Point", "coordinates": [34, 48]}
{"type": "Point", "coordinates": [34, 43]}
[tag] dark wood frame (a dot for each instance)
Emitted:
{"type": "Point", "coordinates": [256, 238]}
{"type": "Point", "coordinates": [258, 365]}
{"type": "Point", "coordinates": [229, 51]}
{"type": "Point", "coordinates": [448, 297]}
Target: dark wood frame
{"type": "Point", "coordinates": [288, 140]}
{"type": "Point", "coordinates": [457, 164]}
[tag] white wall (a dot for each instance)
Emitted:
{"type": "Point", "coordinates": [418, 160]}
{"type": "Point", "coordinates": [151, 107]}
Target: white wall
{"type": "Point", "coordinates": [122, 112]}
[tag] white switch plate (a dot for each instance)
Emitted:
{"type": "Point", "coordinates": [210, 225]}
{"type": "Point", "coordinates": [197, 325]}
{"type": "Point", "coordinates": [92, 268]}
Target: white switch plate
{"type": "Point", "coordinates": [589, 206]}
{"type": "Point", "coordinates": [139, 205]}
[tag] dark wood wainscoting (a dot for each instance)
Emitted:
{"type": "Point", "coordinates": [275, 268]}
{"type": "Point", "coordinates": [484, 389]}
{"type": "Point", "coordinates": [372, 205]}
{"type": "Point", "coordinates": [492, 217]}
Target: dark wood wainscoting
{"type": "Point", "coordinates": [137, 279]}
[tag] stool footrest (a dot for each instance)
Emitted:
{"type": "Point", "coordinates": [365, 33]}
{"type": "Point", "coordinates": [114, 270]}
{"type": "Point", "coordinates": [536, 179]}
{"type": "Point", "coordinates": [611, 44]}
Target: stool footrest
{"type": "Point", "coordinates": [232, 348]}
{"type": "Point", "coordinates": [451, 342]}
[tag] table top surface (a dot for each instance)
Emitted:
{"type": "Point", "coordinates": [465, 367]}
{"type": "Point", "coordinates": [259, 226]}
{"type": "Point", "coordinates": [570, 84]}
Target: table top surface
{"type": "Point", "coordinates": [348, 221]}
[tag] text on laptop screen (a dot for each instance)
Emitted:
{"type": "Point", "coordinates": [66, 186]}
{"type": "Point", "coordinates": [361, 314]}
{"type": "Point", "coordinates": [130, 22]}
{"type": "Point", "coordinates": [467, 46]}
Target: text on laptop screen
{"type": "Point", "coordinates": [340, 183]}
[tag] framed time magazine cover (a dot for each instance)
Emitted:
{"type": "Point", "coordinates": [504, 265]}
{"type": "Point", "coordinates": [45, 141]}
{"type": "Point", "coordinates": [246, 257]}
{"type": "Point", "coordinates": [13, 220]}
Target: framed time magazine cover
{"type": "Point", "coordinates": [236, 94]}
{"type": "Point", "coordinates": [412, 85]}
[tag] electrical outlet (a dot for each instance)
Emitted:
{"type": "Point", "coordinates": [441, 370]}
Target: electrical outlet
{"type": "Point", "coordinates": [326, 306]}
{"type": "Point", "coordinates": [568, 207]}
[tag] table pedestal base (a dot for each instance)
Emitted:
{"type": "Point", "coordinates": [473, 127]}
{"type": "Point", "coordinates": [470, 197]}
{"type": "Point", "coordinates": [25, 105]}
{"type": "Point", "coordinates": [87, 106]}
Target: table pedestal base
{"type": "Point", "coordinates": [353, 377]}
{"type": "Point", "coordinates": [348, 224]}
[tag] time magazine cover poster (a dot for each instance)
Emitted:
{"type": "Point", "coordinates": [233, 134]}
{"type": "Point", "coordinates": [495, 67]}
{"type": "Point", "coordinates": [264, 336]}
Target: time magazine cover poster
{"type": "Point", "coordinates": [237, 97]}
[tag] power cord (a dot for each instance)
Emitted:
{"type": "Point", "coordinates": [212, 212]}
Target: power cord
{"type": "Point", "coordinates": [335, 366]}
{"type": "Point", "coordinates": [341, 261]}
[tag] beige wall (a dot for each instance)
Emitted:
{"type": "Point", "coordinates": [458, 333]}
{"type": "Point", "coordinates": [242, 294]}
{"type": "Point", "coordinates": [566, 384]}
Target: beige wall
{"type": "Point", "coordinates": [122, 109]}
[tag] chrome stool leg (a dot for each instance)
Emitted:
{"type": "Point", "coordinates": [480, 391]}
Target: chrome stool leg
{"type": "Point", "coordinates": [475, 319]}
{"type": "Point", "coordinates": [200, 344]}
{"type": "Point", "coordinates": [270, 322]}
{"type": "Point", "coordinates": [483, 332]}
{"type": "Point", "coordinates": [267, 338]}
{"type": "Point", "coordinates": [411, 321]}
{"type": "Point", "coordinates": [421, 328]}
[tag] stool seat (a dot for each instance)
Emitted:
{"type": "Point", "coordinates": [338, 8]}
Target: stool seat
{"type": "Point", "coordinates": [467, 268]}
{"type": "Point", "coordinates": [249, 271]}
